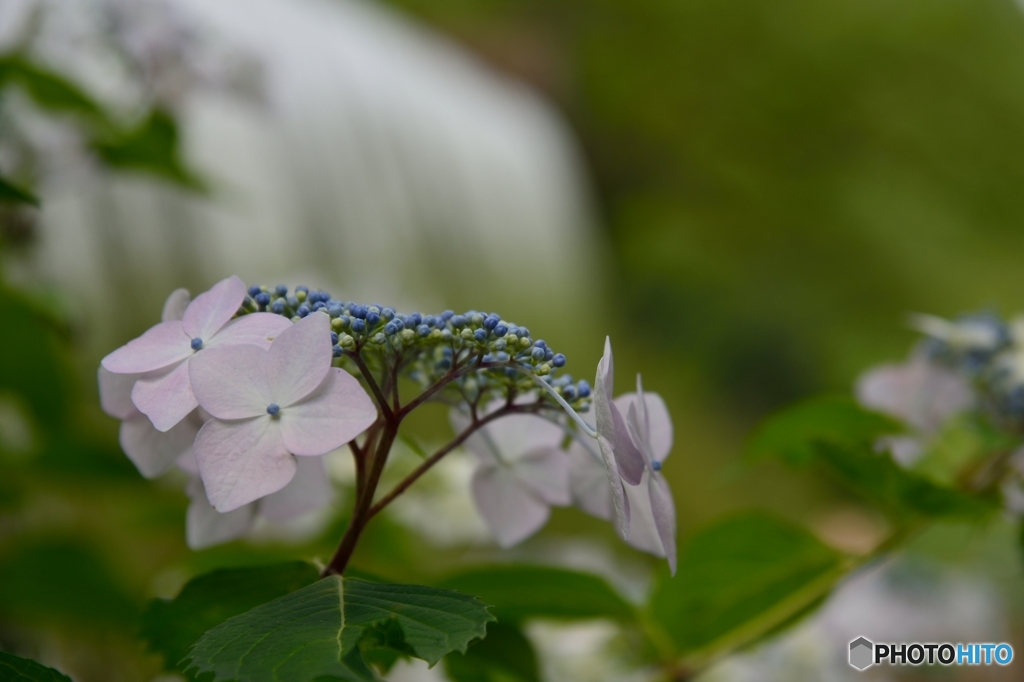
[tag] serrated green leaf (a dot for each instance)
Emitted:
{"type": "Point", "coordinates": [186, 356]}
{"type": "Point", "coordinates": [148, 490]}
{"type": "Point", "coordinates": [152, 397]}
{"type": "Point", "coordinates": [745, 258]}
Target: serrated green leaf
{"type": "Point", "coordinates": [171, 626]}
{"type": "Point", "coordinates": [16, 669]}
{"type": "Point", "coordinates": [505, 655]}
{"type": "Point", "coordinates": [792, 433]}
{"type": "Point", "coordinates": [519, 592]}
{"type": "Point", "coordinates": [323, 629]}
{"type": "Point", "coordinates": [12, 194]}
{"type": "Point", "coordinates": [740, 579]}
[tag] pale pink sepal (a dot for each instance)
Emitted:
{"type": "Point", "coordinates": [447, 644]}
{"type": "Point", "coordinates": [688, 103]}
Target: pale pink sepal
{"type": "Point", "coordinates": [151, 451]}
{"type": "Point", "coordinates": [230, 381]}
{"type": "Point", "coordinates": [299, 358]}
{"type": "Point", "coordinates": [511, 513]}
{"type": "Point", "coordinates": [242, 461]}
{"type": "Point", "coordinates": [307, 492]}
{"type": "Point", "coordinates": [159, 347]}
{"type": "Point", "coordinates": [588, 482]}
{"type": "Point", "coordinates": [175, 305]}
{"type": "Point", "coordinates": [611, 425]}
{"type": "Point", "coordinates": [206, 527]}
{"type": "Point", "coordinates": [212, 309]}
{"type": "Point", "coordinates": [116, 393]}
{"type": "Point", "coordinates": [260, 329]}
{"type": "Point", "coordinates": [165, 398]}
{"type": "Point", "coordinates": [332, 415]}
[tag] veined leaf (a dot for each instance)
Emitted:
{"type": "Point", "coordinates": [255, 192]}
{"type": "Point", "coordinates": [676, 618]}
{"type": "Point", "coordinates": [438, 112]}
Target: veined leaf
{"type": "Point", "coordinates": [519, 592]}
{"type": "Point", "coordinates": [322, 631]}
{"type": "Point", "coordinates": [171, 626]}
{"type": "Point", "coordinates": [16, 669]}
{"type": "Point", "coordinates": [741, 579]}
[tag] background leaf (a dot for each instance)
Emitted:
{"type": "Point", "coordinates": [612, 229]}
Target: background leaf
{"type": "Point", "coordinates": [153, 147]}
{"type": "Point", "coordinates": [740, 579]}
{"type": "Point", "coordinates": [12, 194]}
{"type": "Point", "coordinates": [519, 592]}
{"type": "Point", "coordinates": [171, 626]}
{"type": "Point", "coordinates": [15, 669]}
{"type": "Point", "coordinates": [323, 629]}
{"type": "Point", "coordinates": [505, 655]}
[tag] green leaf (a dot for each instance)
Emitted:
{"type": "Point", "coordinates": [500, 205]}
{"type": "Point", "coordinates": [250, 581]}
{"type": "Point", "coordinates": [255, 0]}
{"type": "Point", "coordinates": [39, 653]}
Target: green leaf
{"type": "Point", "coordinates": [171, 626]}
{"type": "Point", "coordinates": [792, 433]}
{"type": "Point", "coordinates": [15, 669]}
{"type": "Point", "coordinates": [11, 194]}
{"type": "Point", "coordinates": [153, 147]}
{"type": "Point", "coordinates": [322, 631]}
{"type": "Point", "coordinates": [740, 579]}
{"type": "Point", "coordinates": [519, 592]}
{"type": "Point", "coordinates": [505, 656]}
{"type": "Point", "coordinates": [902, 493]}
{"type": "Point", "coordinates": [49, 90]}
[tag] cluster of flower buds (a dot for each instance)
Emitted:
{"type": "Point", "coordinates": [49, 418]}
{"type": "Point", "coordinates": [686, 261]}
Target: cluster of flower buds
{"type": "Point", "coordinates": [243, 387]}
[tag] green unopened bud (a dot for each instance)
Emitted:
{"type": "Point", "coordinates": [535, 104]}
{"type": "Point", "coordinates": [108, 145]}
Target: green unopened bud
{"type": "Point", "coordinates": [347, 342]}
{"type": "Point", "coordinates": [467, 334]}
{"type": "Point", "coordinates": [446, 334]}
{"type": "Point", "coordinates": [296, 318]}
{"type": "Point", "coordinates": [336, 324]}
{"type": "Point", "coordinates": [525, 342]}
{"type": "Point", "coordinates": [511, 339]}
{"type": "Point", "coordinates": [500, 344]}
{"type": "Point", "coordinates": [543, 370]}
{"type": "Point", "coordinates": [301, 295]}
{"type": "Point", "coordinates": [407, 335]}
{"type": "Point", "coordinates": [477, 319]}
{"type": "Point", "coordinates": [435, 334]}
{"type": "Point", "coordinates": [379, 339]}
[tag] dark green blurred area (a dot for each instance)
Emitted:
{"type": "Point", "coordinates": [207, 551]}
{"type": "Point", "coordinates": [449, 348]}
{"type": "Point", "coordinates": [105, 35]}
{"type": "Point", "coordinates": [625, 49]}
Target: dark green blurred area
{"type": "Point", "coordinates": [780, 183]}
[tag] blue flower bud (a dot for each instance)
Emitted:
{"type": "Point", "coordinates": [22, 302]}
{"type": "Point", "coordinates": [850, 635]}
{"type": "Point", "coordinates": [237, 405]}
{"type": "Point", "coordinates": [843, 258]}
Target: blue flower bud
{"type": "Point", "coordinates": [391, 328]}
{"type": "Point", "coordinates": [303, 289]}
{"type": "Point", "coordinates": [583, 389]}
{"type": "Point", "coordinates": [569, 392]}
{"type": "Point", "coordinates": [248, 303]}
{"type": "Point", "coordinates": [446, 335]}
{"type": "Point", "coordinates": [334, 338]}
{"type": "Point", "coordinates": [558, 360]}
{"type": "Point", "coordinates": [511, 373]}
{"type": "Point", "coordinates": [277, 306]}
{"type": "Point", "coordinates": [412, 321]}
{"type": "Point", "coordinates": [254, 291]}
{"type": "Point", "coordinates": [500, 344]}
{"type": "Point", "coordinates": [262, 298]}
{"type": "Point", "coordinates": [358, 311]}
{"type": "Point", "coordinates": [372, 318]}
{"type": "Point", "coordinates": [358, 326]}
{"type": "Point", "coordinates": [656, 465]}
{"type": "Point", "coordinates": [379, 339]}
{"type": "Point", "coordinates": [458, 321]}
{"type": "Point", "coordinates": [319, 305]}
{"type": "Point", "coordinates": [538, 353]}
{"type": "Point", "coordinates": [480, 335]}
{"type": "Point", "coordinates": [423, 330]}
{"type": "Point", "coordinates": [447, 315]}
{"type": "Point", "coordinates": [335, 310]}
{"type": "Point", "coordinates": [500, 329]}
{"type": "Point", "coordinates": [491, 321]}
{"type": "Point", "coordinates": [197, 343]}
{"type": "Point", "coordinates": [303, 310]}
{"type": "Point", "coordinates": [522, 332]}
{"type": "Point", "coordinates": [337, 350]}
{"type": "Point", "coordinates": [388, 314]}
{"type": "Point", "coordinates": [281, 290]}
{"type": "Point", "coordinates": [293, 302]}
{"type": "Point", "coordinates": [430, 320]}
{"type": "Point", "coordinates": [273, 409]}
{"type": "Point", "coordinates": [502, 357]}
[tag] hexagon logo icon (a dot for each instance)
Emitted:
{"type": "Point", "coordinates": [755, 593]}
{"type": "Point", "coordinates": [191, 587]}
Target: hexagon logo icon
{"type": "Point", "coordinates": [861, 653]}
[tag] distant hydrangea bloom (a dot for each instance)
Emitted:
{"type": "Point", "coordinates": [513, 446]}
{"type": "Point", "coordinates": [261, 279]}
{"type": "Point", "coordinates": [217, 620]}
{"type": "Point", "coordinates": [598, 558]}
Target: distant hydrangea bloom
{"type": "Point", "coordinates": [269, 405]}
{"type": "Point", "coordinates": [521, 473]}
{"type": "Point", "coordinates": [163, 354]}
{"type": "Point", "coordinates": [962, 335]}
{"type": "Point", "coordinates": [918, 392]}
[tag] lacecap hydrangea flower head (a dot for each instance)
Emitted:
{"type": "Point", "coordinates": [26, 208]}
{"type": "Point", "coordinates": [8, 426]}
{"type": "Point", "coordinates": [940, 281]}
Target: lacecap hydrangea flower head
{"type": "Point", "coordinates": [246, 388]}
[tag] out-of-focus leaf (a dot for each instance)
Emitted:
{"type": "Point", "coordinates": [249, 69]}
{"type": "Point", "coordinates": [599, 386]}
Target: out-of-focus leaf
{"type": "Point", "coordinates": [740, 579]}
{"type": "Point", "coordinates": [153, 147]}
{"type": "Point", "coordinates": [519, 592]}
{"type": "Point", "coordinates": [961, 444]}
{"type": "Point", "coordinates": [323, 629]}
{"type": "Point", "coordinates": [49, 90]}
{"type": "Point", "coordinates": [58, 581]}
{"type": "Point", "coordinates": [504, 656]}
{"type": "Point", "coordinates": [171, 626]}
{"type": "Point", "coordinates": [12, 194]}
{"type": "Point", "coordinates": [16, 669]}
{"type": "Point", "coordinates": [792, 433]}
{"type": "Point", "coordinates": [900, 492]}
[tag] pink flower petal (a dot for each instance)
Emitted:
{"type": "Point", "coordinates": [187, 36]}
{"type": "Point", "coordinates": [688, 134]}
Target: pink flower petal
{"type": "Point", "coordinates": [153, 452]}
{"type": "Point", "coordinates": [259, 329]}
{"type": "Point", "coordinates": [175, 305]}
{"type": "Point", "coordinates": [546, 473]}
{"type": "Point", "coordinates": [212, 309]}
{"type": "Point", "coordinates": [611, 426]}
{"type": "Point", "coordinates": [619, 501]}
{"type": "Point", "coordinates": [511, 513]}
{"type": "Point", "coordinates": [919, 392]}
{"type": "Point", "coordinates": [116, 393]}
{"type": "Point", "coordinates": [161, 346]}
{"type": "Point", "coordinates": [230, 381]}
{"type": "Point", "coordinates": [166, 398]}
{"type": "Point", "coordinates": [643, 533]}
{"type": "Point", "coordinates": [588, 482]}
{"type": "Point", "coordinates": [663, 509]}
{"type": "Point", "coordinates": [516, 435]}
{"type": "Point", "coordinates": [307, 492]}
{"type": "Point", "coordinates": [242, 461]}
{"type": "Point", "coordinates": [299, 359]}
{"type": "Point", "coordinates": [206, 527]}
{"type": "Point", "coordinates": [335, 413]}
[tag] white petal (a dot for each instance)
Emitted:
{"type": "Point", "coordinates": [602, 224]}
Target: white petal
{"type": "Point", "coordinates": [643, 533]}
{"type": "Point", "coordinates": [205, 526]}
{"type": "Point", "coordinates": [160, 346]}
{"type": "Point", "coordinates": [663, 508]}
{"type": "Point", "coordinates": [300, 358]}
{"type": "Point", "coordinates": [165, 398]}
{"type": "Point", "coordinates": [918, 392]}
{"type": "Point", "coordinates": [620, 503]}
{"type": "Point", "coordinates": [174, 307]}
{"type": "Point", "coordinates": [335, 413]}
{"type": "Point", "coordinates": [242, 461]}
{"type": "Point", "coordinates": [611, 426]}
{"type": "Point", "coordinates": [212, 309]}
{"type": "Point", "coordinates": [659, 422]}
{"type": "Point", "coordinates": [116, 393]}
{"type": "Point", "coordinates": [511, 513]}
{"type": "Point", "coordinates": [259, 329]}
{"type": "Point", "coordinates": [309, 491]}
{"type": "Point", "coordinates": [546, 473]}
{"type": "Point", "coordinates": [153, 452]}
{"type": "Point", "coordinates": [588, 482]}
{"type": "Point", "coordinates": [230, 382]}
